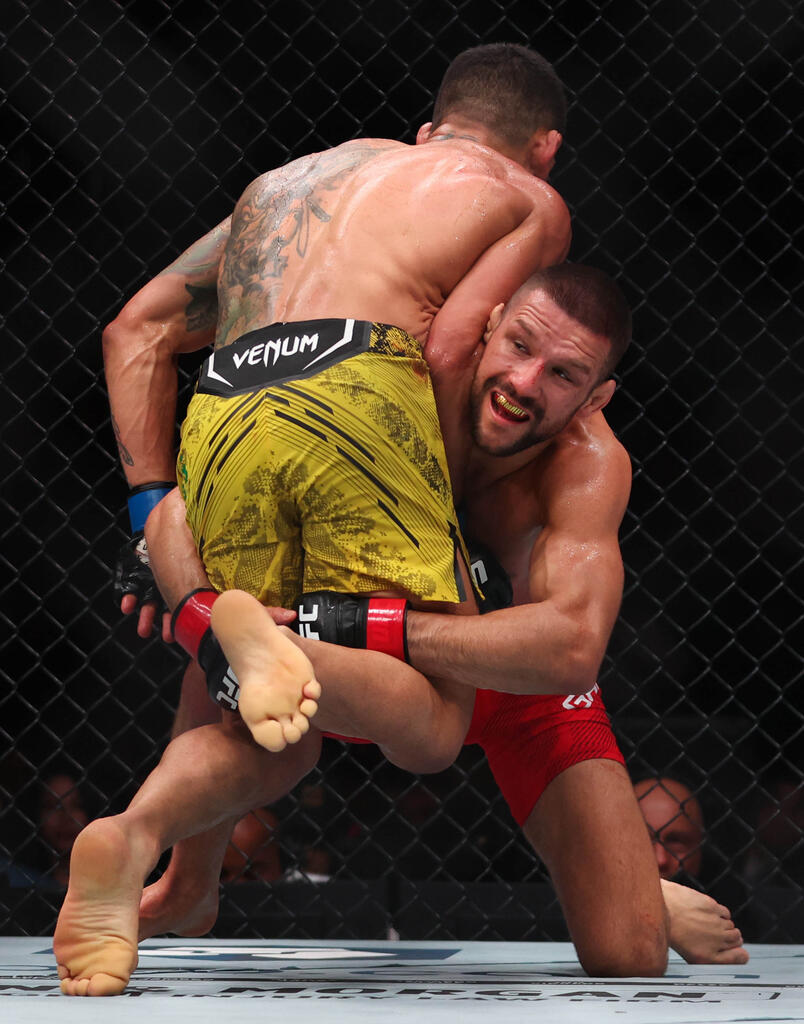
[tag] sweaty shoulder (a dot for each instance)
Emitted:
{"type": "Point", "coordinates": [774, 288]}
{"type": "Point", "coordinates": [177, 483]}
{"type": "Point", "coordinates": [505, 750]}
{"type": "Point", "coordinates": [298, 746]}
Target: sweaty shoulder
{"type": "Point", "coordinates": [587, 464]}
{"type": "Point", "coordinates": [327, 164]}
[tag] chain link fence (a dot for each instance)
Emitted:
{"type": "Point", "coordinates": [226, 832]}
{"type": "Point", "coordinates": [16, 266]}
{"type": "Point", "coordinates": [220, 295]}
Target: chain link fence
{"type": "Point", "coordinates": [131, 127]}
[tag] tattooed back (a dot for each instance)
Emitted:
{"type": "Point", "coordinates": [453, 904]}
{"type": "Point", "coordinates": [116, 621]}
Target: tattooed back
{"type": "Point", "coordinates": [372, 229]}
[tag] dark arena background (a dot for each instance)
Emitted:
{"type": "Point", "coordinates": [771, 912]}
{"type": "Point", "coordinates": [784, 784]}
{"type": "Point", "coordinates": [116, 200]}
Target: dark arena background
{"type": "Point", "coordinates": [130, 128]}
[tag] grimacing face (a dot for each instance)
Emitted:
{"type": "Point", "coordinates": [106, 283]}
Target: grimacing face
{"type": "Point", "coordinates": [540, 367]}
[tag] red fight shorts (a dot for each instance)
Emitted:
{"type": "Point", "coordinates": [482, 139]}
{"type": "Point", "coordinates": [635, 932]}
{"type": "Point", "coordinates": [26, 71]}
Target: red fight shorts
{"type": "Point", "coordinates": [530, 739]}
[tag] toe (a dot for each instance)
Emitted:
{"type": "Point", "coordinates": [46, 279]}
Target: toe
{"type": "Point", "coordinates": [308, 708]}
{"type": "Point", "coordinates": [105, 985]}
{"type": "Point", "coordinates": [289, 731]}
{"type": "Point", "coordinates": [301, 722]}
{"type": "Point", "coordinates": [270, 736]}
{"type": "Point", "coordinates": [312, 690]}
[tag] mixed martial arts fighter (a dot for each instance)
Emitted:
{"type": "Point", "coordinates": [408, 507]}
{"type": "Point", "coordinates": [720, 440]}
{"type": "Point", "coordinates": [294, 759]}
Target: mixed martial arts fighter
{"type": "Point", "coordinates": [100, 841]}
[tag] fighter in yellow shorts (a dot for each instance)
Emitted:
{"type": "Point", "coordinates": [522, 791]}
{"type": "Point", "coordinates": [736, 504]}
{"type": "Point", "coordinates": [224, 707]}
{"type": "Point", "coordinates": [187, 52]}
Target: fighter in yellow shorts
{"type": "Point", "coordinates": [312, 459]}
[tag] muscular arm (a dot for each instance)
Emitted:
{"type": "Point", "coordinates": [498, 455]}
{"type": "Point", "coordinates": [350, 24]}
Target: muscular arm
{"type": "Point", "coordinates": [175, 312]}
{"type": "Point", "coordinates": [555, 643]}
{"type": "Point", "coordinates": [540, 240]}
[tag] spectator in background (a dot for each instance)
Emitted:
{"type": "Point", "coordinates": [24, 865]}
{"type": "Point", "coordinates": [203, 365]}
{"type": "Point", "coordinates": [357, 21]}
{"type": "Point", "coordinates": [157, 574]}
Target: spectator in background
{"type": "Point", "coordinates": [676, 825]}
{"type": "Point", "coordinates": [61, 817]}
{"type": "Point", "coordinates": [253, 851]}
{"type": "Point", "coordinates": [41, 860]}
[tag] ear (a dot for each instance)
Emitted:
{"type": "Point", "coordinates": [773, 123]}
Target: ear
{"type": "Point", "coordinates": [599, 398]}
{"type": "Point", "coordinates": [542, 151]}
{"type": "Point", "coordinates": [495, 316]}
{"type": "Point", "coordinates": [554, 141]}
{"type": "Point", "coordinates": [424, 133]}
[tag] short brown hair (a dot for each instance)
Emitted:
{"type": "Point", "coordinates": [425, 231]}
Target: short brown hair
{"type": "Point", "coordinates": [509, 88]}
{"type": "Point", "coordinates": [592, 298]}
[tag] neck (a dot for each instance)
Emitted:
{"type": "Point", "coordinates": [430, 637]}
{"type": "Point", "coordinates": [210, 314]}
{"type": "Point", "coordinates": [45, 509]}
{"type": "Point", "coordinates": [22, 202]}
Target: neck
{"type": "Point", "coordinates": [483, 469]}
{"type": "Point", "coordinates": [472, 131]}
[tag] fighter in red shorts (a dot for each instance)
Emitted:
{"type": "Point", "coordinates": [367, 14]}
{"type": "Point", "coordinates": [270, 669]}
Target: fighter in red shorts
{"type": "Point", "coordinates": [530, 740]}
{"type": "Point", "coordinates": [546, 485]}
{"type": "Point", "coordinates": [544, 481]}
{"type": "Point", "coordinates": [551, 508]}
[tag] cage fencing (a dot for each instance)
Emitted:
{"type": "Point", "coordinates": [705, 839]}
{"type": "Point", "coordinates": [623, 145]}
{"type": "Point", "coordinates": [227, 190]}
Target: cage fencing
{"type": "Point", "coordinates": [130, 128]}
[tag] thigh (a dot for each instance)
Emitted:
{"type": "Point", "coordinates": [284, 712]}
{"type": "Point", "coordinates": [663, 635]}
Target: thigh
{"type": "Point", "coordinates": [377, 510]}
{"type": "Point", "coordinates": [240, 492]}
{"type": "Point", "coordinates": [588, 830]}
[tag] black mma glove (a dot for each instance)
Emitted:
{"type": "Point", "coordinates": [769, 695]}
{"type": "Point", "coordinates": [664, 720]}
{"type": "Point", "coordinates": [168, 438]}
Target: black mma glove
{"type": "Point", "coordinates": [490, 576]}
{"type": "Point", "coordinates": [370, 623]}
{"type": "Point", "coordinates": [222, 685]}
{"type": "Point", "coordinates": [132, 574]}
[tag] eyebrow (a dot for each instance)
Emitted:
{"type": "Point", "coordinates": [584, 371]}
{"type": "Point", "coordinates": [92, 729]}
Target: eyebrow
{"type": "Point", "coordinates": [575, 364]}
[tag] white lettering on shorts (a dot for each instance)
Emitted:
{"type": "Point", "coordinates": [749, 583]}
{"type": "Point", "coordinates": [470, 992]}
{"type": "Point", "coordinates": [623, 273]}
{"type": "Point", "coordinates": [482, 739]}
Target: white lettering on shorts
{"type": "Point", "coordinates": [213, 373]}
{"type": "Point", "coordinates": [479, 572]}
{"type": "Point", "coordinates": [580, 700]}
{"type": "Point", "coordinates": [274, 347]}
{"type": "Point", "coordinates": [348, 331]}
{"type": "Point", "coordinates": [266, 357]}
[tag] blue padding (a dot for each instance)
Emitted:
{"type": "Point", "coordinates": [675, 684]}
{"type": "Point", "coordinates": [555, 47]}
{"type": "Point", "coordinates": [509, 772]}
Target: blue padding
{"type": "Point", "coordinates": [141, 503]}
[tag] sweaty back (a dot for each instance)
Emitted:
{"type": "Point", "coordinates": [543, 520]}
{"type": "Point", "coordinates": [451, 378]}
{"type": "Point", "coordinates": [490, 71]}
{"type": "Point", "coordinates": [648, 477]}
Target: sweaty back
{"type": "Point", "coordinates": [373, 229]}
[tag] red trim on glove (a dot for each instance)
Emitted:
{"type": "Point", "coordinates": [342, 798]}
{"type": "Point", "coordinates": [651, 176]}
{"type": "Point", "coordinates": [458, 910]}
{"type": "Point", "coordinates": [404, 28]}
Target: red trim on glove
{"type": "Point", "coordinates": [191, 619]}
{"type": "Point", "coordinates": [385, 626]}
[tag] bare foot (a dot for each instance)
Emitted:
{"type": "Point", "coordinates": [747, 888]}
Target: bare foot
{"type": "Point", "coordinates": [701, 929]}
{"type": "Point", "coordinates": [96, 935]}
{"type": "Point", "coordinates": [171, 906]}
{"type": "Point", "coordinates": [278, 690]}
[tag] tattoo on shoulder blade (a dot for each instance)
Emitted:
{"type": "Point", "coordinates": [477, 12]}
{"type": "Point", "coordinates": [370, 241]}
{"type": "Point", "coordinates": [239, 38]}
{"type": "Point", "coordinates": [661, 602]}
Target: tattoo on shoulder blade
{"type": "Point", "coordinates": [273, 219]}
{"type": "Point", "coordinates": [125, 454]}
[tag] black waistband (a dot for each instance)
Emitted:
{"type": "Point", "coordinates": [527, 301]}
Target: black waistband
{"type": "Point", "coordinates": [282, 352]}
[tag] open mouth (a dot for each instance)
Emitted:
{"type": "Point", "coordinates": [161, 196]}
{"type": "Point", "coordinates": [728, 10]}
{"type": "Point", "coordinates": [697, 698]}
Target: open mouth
{"type": "Point", "coordinates": [507, 409]}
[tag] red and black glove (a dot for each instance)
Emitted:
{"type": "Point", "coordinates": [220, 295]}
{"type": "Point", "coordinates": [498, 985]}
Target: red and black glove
{"type": "Point", "coordinates": [370, 623]}
{"type": "Point", "coordinates": [192, 631]}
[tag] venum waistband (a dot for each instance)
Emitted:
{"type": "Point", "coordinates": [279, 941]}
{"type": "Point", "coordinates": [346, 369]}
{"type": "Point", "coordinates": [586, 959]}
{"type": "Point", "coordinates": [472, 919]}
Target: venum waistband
{"type": "Point", "coordinates": [282, 352]}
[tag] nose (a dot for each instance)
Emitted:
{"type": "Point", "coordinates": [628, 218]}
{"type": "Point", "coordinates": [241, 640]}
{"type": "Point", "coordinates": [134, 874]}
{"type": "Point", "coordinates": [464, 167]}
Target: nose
{"type": "Point", "coordinates": [527, 378]}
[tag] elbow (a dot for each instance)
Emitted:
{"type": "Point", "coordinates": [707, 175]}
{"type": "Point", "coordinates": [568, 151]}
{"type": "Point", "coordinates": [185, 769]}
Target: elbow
{"type": "Point", "coordinates": [119, 336]}
{"type": "Point", "coordinates": [130, 337]}
{"type": "Point", "coordinates": [110, 337]}
{"type": "Point", "coordinates": [580, 663]}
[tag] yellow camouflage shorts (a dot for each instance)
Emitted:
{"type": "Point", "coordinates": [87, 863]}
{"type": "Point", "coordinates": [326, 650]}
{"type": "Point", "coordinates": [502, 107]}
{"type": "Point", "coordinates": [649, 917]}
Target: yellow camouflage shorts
{"type": "Point", "coordinates": [311, 459]}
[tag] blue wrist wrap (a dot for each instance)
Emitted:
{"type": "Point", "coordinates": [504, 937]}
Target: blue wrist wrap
{"type": "Point", "coordinates": [142, 499]}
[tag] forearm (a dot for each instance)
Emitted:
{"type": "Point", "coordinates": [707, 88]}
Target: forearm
{"type": "Point", "coordinates": [141, 379]}
{"type": "Point", "coordinates": [176, 312]}
{"type": "Point", "coordinates": [531, 648]}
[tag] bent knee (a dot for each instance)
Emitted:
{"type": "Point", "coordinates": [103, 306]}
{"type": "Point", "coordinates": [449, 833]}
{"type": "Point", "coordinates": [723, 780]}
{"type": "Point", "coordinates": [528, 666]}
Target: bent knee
{"type": "Point", "coordinates": [423, 760]}
{"type": "Point", "coordinates": [644, 959]}
{"type": "Point", "coordinates": [167, 512]}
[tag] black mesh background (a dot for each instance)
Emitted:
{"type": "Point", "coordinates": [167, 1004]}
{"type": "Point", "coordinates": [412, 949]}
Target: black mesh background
{"type": "Point", "coordinates": [130, 128]}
